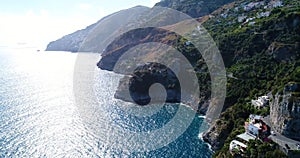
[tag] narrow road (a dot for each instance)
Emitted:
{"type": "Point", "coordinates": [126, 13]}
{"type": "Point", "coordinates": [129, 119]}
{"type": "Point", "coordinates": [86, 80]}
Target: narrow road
{"type": "Point", "coordinates": [281, 139]}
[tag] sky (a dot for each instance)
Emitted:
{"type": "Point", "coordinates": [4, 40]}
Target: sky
{"type": "Point", "coordinates": [37, 22]}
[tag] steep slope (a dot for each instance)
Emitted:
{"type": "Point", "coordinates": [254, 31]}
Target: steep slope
{"type": "Point", "coordinates": [194, 8]}
{"type": "Point", "coordinates": [85, 40]}
{"type": "Point", "coordinates": [259, 42]}
{"type": "Point", "coordinates": [71, 42]}
{"type": "Point", "coordinates": [285, 110]}
{"type": "Point", "coordinates": [140, 36]}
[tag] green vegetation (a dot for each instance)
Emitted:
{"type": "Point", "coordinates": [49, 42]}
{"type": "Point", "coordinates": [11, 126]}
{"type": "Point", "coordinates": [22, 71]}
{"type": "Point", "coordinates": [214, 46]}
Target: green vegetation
{"type": "Point", "coordinates": [256, 149]}
{"type": "Point", "coordinates": [231, 123]}
{"type": "Point", "coordinates": [261, 54]}
{"type": "Point", "coordinates": [259, 149]}
{"type": "Point", "coordinates": [194, 8]}
{"type": "Point", "coordinates": [264, 57]}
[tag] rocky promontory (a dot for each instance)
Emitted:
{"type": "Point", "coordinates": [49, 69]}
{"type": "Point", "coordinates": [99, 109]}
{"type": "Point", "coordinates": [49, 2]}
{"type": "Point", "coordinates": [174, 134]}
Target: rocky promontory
{"type": "Point", "coordinates": [259, 43]}
{"type": "Point", "coordinates": [139, 85]}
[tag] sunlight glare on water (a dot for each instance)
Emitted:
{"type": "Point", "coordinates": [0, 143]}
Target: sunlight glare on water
{"type": "Point", "coordinates": [40, 119]}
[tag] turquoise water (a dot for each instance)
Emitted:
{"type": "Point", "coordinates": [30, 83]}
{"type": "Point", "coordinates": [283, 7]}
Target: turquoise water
{"type": "Point", "coordinates": [40, 118]}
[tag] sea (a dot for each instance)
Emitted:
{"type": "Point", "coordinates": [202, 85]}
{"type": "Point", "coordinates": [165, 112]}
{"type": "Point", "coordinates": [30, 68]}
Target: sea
{"type": "Point", "coordinates": [40, 115]}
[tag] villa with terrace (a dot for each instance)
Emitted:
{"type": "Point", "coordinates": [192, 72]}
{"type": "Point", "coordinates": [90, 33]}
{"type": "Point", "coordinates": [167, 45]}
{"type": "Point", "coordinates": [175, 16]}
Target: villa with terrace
{"type": "Point", "coordinates": [256, 129]}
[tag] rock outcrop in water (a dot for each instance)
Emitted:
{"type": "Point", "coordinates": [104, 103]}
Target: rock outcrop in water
{"type": "Point", "coordinates": [285, 111]}
{"type": "Point", "coordinates": [260, 52]}
{"type": "Point", "coordinates": [143, 78]}
{"type": "Point", "coordinates": [213, 137]}
{"type": "Point", "coordinates": [149, 73]}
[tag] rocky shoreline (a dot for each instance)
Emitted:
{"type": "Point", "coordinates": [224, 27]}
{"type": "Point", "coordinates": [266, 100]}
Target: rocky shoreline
{"type": "Point", "coordinates": [141, 81]}
{"type": "Point", "coordinates": [155, 83]}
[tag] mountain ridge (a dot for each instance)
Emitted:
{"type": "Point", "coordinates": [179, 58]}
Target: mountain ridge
{"type": "Point", "coordinates": [83, 40]}
{"type": "Point", "coordinates": [259, 42]}
{"type": "Point", "coordinates": [78, 40]}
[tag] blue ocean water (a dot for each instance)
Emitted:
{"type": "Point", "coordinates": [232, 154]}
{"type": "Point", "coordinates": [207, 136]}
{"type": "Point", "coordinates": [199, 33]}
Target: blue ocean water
{"type": "Point", "coordinates": [39, 116]}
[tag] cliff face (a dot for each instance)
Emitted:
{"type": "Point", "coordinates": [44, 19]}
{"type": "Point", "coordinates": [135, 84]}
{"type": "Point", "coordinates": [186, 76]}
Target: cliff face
{"type": "Point", "coordinates": [285, 112]}
{"type": "Point", "coordinates": [143, 79]}
{"type": "Point", "coordinates": [130, 39]}
{"type": "Point", "coordinates": [215, 136]}
{"type": "Point", "coordinates": [148, 73]}
{"type": "Point", "coordinates": [261, 53]}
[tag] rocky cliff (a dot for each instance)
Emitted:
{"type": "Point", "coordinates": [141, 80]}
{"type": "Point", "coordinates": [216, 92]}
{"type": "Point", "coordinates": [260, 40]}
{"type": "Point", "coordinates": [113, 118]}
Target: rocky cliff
{"type": "Point", "coordinates": [148, 73]}
{"type": "Point", "coordinates": [140, 85]}
{"type": "Point", "coordinates": [260, 52]}
{"type": "Point", "coordinates": [285, 111]}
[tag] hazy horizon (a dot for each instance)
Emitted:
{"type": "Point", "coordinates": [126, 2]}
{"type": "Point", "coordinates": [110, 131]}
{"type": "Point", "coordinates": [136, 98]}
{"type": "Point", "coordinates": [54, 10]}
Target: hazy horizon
{"type": "Point", "coordinates": [37, 23]}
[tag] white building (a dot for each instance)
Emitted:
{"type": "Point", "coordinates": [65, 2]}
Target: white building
{"type": "Point", "coordinates": [250, 19]}
{"type": "Point", "coordinates": [224, 16]}
{"type": "Point", "coordinates": [263, 14]}
{"type": "Point", "coordinates": [187, 43]}
{"type": "Point", "coordinates": [260, 102]}
{"type": "Point", "coordinates": [237, 145]}
{"type": "Point", "coordinates": [246, 137]}
{"type": "Point", "coordinates": [252, 5]}
{"type": "Point", "coordinates": [275, 3]}
{"type": "Point", "coordinates": [251, 23]}
{"type": "Point", "coordinates": [241, 18]}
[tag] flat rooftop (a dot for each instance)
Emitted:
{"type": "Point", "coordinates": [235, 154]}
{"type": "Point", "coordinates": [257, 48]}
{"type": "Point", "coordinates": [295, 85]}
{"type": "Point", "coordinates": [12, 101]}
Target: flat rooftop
{"type": "Point", "coordinates": [246, 137]}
